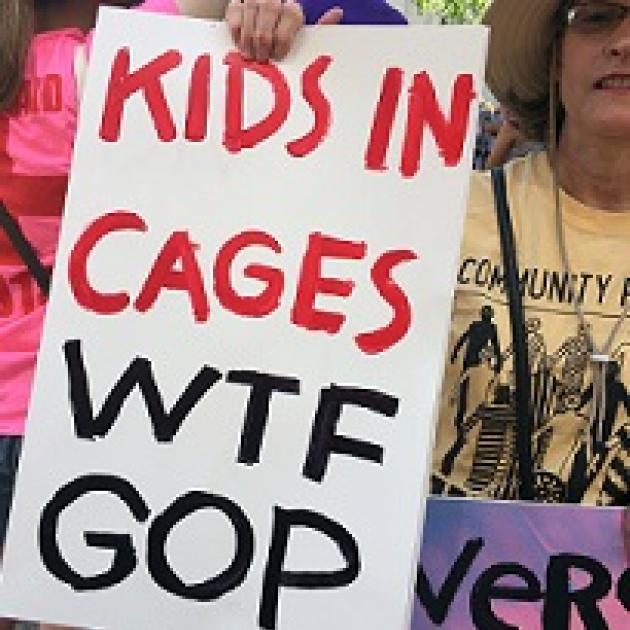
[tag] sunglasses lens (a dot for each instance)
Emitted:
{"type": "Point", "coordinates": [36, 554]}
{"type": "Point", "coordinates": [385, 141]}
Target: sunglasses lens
{"type": "Point", "coordinates": [596, 18]}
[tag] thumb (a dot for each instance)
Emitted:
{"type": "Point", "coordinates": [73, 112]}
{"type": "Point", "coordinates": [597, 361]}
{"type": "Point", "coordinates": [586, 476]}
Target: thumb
{"type": "Point", "coordinates": [332, 16]}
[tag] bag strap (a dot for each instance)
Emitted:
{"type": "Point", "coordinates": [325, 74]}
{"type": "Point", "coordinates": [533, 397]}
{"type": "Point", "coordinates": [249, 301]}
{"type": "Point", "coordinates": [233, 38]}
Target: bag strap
{"type": "Point", "coordinates": [524, 416]}
{"type": "Point", "coordinates": [25, 250]}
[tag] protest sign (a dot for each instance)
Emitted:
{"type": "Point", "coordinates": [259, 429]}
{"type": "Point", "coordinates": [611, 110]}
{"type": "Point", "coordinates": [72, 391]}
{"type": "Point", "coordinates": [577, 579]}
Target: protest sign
{"type": "Point", "coordinates": [232, 414]}
{"type": "Point", "coordinates": [491, 564]}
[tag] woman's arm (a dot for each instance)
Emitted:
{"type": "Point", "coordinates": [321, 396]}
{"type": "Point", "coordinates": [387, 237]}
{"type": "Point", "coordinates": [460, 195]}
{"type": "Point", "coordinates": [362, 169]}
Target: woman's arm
{"type": "Point", "coordinates": [507, 138]}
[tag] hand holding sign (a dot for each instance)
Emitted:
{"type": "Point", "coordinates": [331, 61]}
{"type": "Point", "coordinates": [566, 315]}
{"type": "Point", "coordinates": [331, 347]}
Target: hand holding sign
{"type": "Point", "coordinates": [265, 29]}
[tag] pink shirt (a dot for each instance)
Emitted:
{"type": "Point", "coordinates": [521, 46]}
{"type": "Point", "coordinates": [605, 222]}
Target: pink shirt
{"type": "Point", "coordinates": [36, 140]}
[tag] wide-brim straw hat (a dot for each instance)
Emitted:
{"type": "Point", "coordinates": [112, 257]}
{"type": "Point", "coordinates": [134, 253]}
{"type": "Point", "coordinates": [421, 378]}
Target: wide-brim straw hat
{"type": "Point", "coordinates": [520, 42]}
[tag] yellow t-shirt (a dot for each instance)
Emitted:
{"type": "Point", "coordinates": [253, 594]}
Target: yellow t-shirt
{"type": "Point", "coordinates": [581, 439]}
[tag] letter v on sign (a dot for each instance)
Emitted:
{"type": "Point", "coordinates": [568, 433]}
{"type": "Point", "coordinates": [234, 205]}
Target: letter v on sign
{"type": "Point", "coordinates": [437, 607]}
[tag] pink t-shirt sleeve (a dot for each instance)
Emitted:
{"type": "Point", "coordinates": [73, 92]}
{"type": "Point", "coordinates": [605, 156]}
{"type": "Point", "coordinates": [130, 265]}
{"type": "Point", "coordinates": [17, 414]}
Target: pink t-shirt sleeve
{"type": "Point", "coordinates": [160, 6]}
{"type": "Point", "coordinates": [167, 7]}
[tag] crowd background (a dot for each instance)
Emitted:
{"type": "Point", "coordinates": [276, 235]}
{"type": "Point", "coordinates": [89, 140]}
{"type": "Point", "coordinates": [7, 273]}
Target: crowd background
{"type": "Point", "coordinates": [499, 139]}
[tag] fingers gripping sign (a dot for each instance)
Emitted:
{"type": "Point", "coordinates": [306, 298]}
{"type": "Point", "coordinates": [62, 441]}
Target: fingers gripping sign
{"type": "Point", "coordinates": [331, 17]}
{"type": "Point", "coordinates": [264, 29]}
{"type": "Point", "coordinates": [290, 22]}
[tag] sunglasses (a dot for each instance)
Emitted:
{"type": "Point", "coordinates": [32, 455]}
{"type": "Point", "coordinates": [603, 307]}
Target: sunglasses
{"type": "Point", "coordinates": [595, 18]}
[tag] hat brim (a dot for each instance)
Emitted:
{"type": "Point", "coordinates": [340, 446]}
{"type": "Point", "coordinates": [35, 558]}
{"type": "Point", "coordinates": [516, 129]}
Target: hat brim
{"type": "Point", "coordinates": [518, 56]}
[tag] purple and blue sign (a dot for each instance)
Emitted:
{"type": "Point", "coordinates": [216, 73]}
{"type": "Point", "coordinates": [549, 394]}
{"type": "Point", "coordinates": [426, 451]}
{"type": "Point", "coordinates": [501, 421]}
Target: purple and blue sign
{"type": "Point", "coordinates": [354, 11]}
{"type": "Point", "coordinates": [525, 566]}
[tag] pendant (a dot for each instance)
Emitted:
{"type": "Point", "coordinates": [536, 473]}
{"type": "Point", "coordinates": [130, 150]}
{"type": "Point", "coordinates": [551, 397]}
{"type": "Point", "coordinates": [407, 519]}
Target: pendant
{"type": "Point", "coordinates": [600, 359]}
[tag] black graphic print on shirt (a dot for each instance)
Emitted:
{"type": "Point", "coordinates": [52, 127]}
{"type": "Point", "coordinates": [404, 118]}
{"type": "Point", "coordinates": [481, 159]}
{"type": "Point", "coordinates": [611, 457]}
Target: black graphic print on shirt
{"type": "Point", "coordinates": [481, 405]}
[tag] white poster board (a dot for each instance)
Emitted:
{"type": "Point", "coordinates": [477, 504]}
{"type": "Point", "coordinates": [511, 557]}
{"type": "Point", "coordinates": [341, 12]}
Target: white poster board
{"type": "Point", "coordinates": [232, 415]}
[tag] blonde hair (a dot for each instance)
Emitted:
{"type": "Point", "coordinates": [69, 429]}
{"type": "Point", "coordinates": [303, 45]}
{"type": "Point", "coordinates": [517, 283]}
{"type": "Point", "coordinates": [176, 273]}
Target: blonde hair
{"type": "Point", "coordinates": [17, 19]}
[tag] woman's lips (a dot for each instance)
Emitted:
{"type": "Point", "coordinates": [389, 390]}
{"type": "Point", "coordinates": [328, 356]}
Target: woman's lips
{"type": "Point", "coordinates": [613, 82]}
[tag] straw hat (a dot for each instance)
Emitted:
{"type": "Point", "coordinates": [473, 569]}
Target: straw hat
{"type": "Point", "coordinates": [518, 58]}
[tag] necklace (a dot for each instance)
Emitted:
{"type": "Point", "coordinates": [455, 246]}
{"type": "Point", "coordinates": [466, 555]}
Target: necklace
{"type": "Point", "coordinates": [602, 362]}
{"type": "Point", "coordinates": [600, 356]}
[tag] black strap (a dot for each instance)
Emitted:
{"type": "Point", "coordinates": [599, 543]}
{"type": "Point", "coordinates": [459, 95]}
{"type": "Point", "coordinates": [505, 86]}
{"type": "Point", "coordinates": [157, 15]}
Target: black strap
{"type": "Point", "coordinates": [25, 250]}
{"type": "Point", "coordinates": [524, 419]}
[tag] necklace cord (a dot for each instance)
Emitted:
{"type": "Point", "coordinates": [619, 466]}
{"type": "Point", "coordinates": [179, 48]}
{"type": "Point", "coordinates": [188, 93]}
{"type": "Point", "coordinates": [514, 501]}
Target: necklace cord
{"type": "Point", "coordinates": [598, 355]}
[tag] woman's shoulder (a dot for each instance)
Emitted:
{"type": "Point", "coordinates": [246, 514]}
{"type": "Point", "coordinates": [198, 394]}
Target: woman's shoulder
{"type": "Point", "coordinates": [480, 194]}
{"type": "Point", "coordinates": [527, 173]}
{"type": "Point", "coordinates": [526, 177]}
{"type": "Point", "coordinates": [480, 223]}
{"type": "Point", "coordinates": [58, 37]}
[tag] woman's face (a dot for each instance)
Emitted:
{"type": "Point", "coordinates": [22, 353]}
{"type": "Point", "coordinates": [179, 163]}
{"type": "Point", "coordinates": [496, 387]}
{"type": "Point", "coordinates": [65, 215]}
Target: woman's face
{"type": "Point", "coordinates": [595, 78]}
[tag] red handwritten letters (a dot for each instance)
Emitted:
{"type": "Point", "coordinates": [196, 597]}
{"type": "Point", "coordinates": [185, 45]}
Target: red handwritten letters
{"type": "Point", "coordinates": [177, 268]}
{"type": "Point", "coordinates": [423, 110]}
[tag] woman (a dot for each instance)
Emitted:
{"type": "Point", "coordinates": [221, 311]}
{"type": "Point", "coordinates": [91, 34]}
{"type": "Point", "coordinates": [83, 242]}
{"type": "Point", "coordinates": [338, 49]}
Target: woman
{"type": "Point", "coordinates": [563, 68]}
